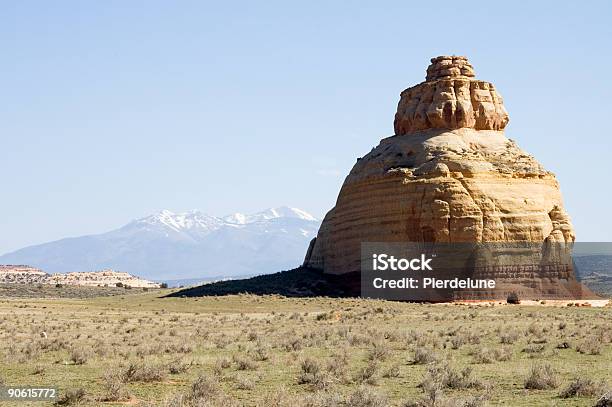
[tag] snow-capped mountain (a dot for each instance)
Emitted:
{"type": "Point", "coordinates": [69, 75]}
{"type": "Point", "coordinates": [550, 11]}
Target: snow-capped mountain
{"type": "Point", "coordinates": [185, 245]}
{"type": "Point", "coordinates": [272, 213]}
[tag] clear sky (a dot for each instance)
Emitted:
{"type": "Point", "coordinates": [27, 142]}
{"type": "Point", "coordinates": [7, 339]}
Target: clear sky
{"type": "Point", "coordinates": [112, 110]}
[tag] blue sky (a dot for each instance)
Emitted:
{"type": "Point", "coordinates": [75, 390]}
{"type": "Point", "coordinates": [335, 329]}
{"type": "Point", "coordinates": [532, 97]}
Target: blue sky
{"type": "Point", "coordinates": [113, 110]}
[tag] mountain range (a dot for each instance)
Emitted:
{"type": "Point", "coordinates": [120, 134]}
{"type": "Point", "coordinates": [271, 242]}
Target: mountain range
{"type": "Point", "coordinates": [191, 245]}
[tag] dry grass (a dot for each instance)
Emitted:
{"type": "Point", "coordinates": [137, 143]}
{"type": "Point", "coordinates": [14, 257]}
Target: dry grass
{"type": "Point", "coordinates": [581, 387]}
{"type": "Point", "coordinates": [139, 349]}
{"type": "Point", "coordinates": [542, 377]}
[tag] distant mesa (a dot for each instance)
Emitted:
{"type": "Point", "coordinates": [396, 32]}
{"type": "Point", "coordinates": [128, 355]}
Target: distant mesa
{"type": "Point", "coordinates": [22, 274]}
{"type": "Point", "coordinates": [449, 174]}
{"type": "Point", "coordinates": [14, 273]}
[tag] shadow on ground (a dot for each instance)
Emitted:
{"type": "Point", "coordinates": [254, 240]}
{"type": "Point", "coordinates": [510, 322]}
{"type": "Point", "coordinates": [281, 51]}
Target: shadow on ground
{"type": "Point", "coordinates": [299, 282]}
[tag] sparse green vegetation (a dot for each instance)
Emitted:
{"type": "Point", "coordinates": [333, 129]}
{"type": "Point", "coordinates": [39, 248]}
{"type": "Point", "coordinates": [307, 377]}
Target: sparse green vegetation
{"type": "Point", "coordinates": [542, 377]}
{"type": "Point", "coordinates": [140, 349]}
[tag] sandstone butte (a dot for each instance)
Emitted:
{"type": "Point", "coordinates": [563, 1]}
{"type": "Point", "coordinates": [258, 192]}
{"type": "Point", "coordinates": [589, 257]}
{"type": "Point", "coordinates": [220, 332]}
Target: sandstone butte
{"type": "Point", "coordinates": [449, 174]}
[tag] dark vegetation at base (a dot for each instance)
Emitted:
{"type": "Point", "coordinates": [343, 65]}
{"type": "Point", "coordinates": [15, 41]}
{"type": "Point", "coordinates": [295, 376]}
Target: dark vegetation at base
{"type": "Point", "coordinates": [594, 271]}
{"type": "Point", "coordinates": [299, 282]}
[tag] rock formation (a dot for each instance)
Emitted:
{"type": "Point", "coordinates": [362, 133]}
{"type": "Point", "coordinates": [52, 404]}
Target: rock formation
{"type": "Point", "coordinates": [449, 174]}
{"type": "Point", "coordinates": [104, 278]}
{"type": "Point", "coordinates": [21, 274]}
{"type": "Point", "coordinates": [450, 98]}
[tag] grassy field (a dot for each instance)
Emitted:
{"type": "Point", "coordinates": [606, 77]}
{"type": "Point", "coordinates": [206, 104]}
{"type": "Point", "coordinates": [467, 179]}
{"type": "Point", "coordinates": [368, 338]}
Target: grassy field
{"type": "Point", "coordinates": [140, 349]}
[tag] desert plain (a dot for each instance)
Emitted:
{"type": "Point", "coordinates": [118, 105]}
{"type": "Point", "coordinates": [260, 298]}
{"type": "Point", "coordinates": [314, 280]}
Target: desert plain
{"type": "Point", "coordinates": [137, 348]}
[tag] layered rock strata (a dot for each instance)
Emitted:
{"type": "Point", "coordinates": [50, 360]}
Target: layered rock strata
{"type": "Point", "coordinates": [449, 174]}
{"type": "Point", "coordinates": [21, 274]}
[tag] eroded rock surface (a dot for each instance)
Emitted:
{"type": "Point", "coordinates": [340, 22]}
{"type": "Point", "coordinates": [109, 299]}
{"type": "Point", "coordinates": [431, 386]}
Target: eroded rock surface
{"type": "Point", "coordinates": [449, 174]}
{"type": "Point", "coordinates": [450, 98]}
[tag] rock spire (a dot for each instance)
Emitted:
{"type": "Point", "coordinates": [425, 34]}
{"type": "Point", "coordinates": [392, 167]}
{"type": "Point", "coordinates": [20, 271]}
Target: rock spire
{"type": "Point", "coordinates": [450, 98]}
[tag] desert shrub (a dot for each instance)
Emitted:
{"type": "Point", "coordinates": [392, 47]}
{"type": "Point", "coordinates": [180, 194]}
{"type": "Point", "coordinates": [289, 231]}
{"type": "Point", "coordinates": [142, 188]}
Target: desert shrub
{"type": "Point", "coordinates": [244, 383]}
{"type": "Point", "coordinates": [482, 355]}
{"type": "Point", "coordinates": [441, 376]}
{"type": "Point", "coordinates": [440, 401]}
{"type": "Point", "coordinates": [320, 399]}
{"type": "Point", "coordinates": [338, 363]}
{"type": "Point", "coordinates": [279, 397]}
{"type": "Point", "coordinates": [78, 356]}
{"type": "Point", "coordinates": [358, 340]}
{"type": "Point", "coordinates": [424, 356]}
{"type": "Point", "coordinates": [582, 387]}
{"type": "Point", "coordinates": [204, 387]}
{"type": "Point", "coordinates": [589, 347]}
{"type": "Point", "coordinates": [392, 335]}
{"type": "Point", "coordinates": [178, 366]}
{"type": "Point", "coordinates": [411, 337]}
{"type": "Point", "coordinates": [260, 353]}
{"type": "Point", "coordinates": [605, 400]}
{"type": "Point", "coordinates": [457, 341]}
{"type": "Point", "coordinates": [310, 371]}
{"type": "Point", "coordinates": [472, 401]}
{"type": "Point", "coordinates": [70, 397]}
{"type": "Point", "coordinates": [139, 372]}
{"type": "Point", "coordinates": [325, 316]}
{"type": "Point", "coordinates": [393, 371]}
{"type": "Point", "coordinates": [243, 363]}
{"type": "Point", "coordinates": [509, 337]}
{"type": "Point", "coordinates": [513, 298]}
{"type": "Point", "coordinates": [460, 379]}
{"type": "Point", "coordinates": [502, 354]}
{"type": "Point", "coordinates": [114, 388]}
{"type": "Point", "coordinates": [487, 355]}
{"type": "Point", "coordinates": [378, 352]}
{"type": "Point", "coordinates": [204, 391]}
{"type": "Point", "coordinates": [223, 363]}
{"type": "Point", "coordinates": [535, 330]}
{"type": "Point", "coordinates": [534, 348]}
{"type": "Point", "coordinates": [221, 341]}
{"type": "Point", "coordinates": [366, 397]}
{"type": "Point", "coordinates": [179, 348]}
{"type": "Point", "coordinates": [293, 344]}
{"type": "Point", "coordinates": [38, 369]}
{"type": "Point", "coordinates": [433, 393]}
{"type": "Point", "coordinates": [29, 351]}
{"type": "Point", "coordinates": [473, 338]}
{"type": "Point", "coordinates": [541, 377]}
{"type": "Point", "coordinates": [368, 374]}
